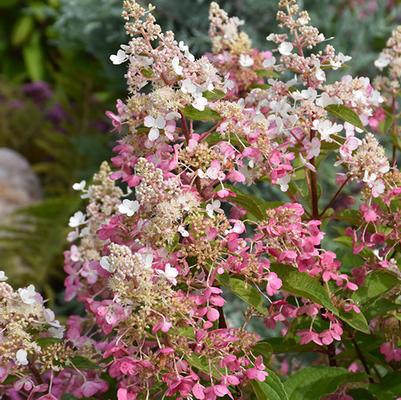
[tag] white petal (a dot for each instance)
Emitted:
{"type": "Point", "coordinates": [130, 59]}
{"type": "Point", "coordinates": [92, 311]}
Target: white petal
{"type": "Point", "coordinates": [201, 174]}
{"type": "Point", "coordinates": [187, 86]}
{"type": "Point", "coordinates": [320, 74]}
{"type": "Point", "coordinates": [183, 232]}
{"type": "Point", "coordinates": [149, 121]}
{"type": "Point", "coordinates": [153, 134]}
{"type": "Point", "coordinates": [160, 122]}
{"type": "Point", "coordinates": [147, 260]}
{"type": "Point", "coordinates": [176, 66]}
{"type": "Point", "coordinates": [105, 264]}
{"type": "Point", "coordinates": [28, 295]}
{"type": "Point", "coordinates": [77, 219]}
{"type": "Point", "coordinates": [128, 207]}
{"type": "Point", "coordinates": [119, 58]}
{"type": "Point", "coordinates": [285, 48]}
{"type": "Point", "coordinates": [200, 103]}
{"type": "Point", "coordinates": [269, 62]}
{"type": "Point", "coordinates": [22, 357]}
{"type": "Point", "coordinates": [3, 276]}
{"type": "Point", "coordinates": [382, 62]}
{"type": "Point", "coordinates": [216, 204]}
{"type": "Point", "coordinates": [79, 186]}
{"type": "Point", "coordinates": [172, 115]}
{"type": "Point", "coordinates": [49, 315]}
{"type": "Point", "coordinates": [246, 60]}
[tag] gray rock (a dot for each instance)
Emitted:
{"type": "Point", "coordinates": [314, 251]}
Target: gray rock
{"type": "Point", "coordinates": [19, 185]}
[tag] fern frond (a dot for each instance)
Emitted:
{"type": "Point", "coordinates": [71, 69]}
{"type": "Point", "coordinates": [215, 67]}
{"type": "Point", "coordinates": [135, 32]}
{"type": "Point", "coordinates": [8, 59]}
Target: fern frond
{"type": "Point", "coordinates": [32, 241]}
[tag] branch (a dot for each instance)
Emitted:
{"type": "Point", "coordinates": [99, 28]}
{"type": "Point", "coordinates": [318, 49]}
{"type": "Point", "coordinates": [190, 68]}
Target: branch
{"type": "Point", "coordinates": [186, 129]}
{"type": "Point", "coordinates": [35, 372]}
{"type": "Point", "coordinates": [394, 132]}
{"type": "Point", "coordinates": [362, 359]}
{"type": "Point", "coordinates": [334, 198]}
{"type": "Point", "coordinates": [331, 352]}
{"type": "Point", "coordinates": [313, 192]}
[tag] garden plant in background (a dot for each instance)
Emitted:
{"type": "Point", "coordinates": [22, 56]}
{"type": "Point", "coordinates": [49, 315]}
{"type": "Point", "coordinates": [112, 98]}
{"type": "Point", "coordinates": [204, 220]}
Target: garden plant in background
{"type": "Point", "coordinates": [170, 230]}
{"type": "Point", "coordinates": [64, 138]}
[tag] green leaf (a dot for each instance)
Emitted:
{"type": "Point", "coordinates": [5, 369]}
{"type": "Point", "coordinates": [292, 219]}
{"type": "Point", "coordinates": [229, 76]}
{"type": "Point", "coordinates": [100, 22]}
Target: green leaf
{"type": "Point", "coordinates": [396, 141]}
{"type": "Point", "coordinates": [251, 203]}
{"type": "Point", "coordinates": [215, 137]}
{"type": "Point", "coordinates": [207, 115]}
{"type": "Point", "coordinates": [386, 125]}
{"type": "Point", "coordinates": [263, 348]}
{"type": "Point", "coordinates": [376, 283]}
{"type": "Point", "coordinates": [202, 364]}
{"type": "Point", "coordinates": [390, 384]}
{"type": "Point", "coordinates": [356, 320]}
{"type": "Point", "coordinates": [268, 73]}
{"type": "Point", "coordinates": [213, 95]}
{"type": "Point", "coordinates": [244, 291]}
{"type": "Point", "coordinates": [361, 394]}
{"type": "Point", "coordinates": [271, 389]}
{"type": "Point", "coordinates": [83, 363]}
{"type": "Point", "coordinates": [282, 345]}
{"type": "Point", "coordinates": [147, 72]}
{"type": "Point", "coordinates": [352, 217]}
{"type": "Point", "coordinates": [8, 3]}
{"type": "Point", "coordinates": [10, 379]}
{"type": "Point", "coordinates": [44, 342]}
{"type": "Point", "coordinates": [22, 30]}
{"type": "Point", "coordinates": [381, 306]}
{"type": "Point", "coordinates": [314, 382]}
{"type": "Point", "coordinates": [33, 58]}
{"type": "Point", "coordinates": [260, 86]}
{"type": "Point", "coordinates": [187, 332]}
{"type": "Point", "coordinates": [113, 386]}
{"type": "Point", "coordinates": [68, 396]}
{"type": "Point", "coordinates": [344, 113]}
{"type": "Point", "coordinates": [301, 284]}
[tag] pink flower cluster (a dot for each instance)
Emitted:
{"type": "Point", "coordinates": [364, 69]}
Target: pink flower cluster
{"type": "Point", "coordinates": [169, 231]}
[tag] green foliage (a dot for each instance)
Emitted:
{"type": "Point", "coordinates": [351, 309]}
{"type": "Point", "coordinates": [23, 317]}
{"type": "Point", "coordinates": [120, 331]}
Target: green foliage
{"type": "Point", "coordinates": [83, 363]}
{"type": "Point", "coordinates": [61, 138]}
{"type": "Point", "coordinates": [203, 364]}
{"type": "Point", "coordinates": [302, 284]}
{"type": "Point", "coordinates": [26, 38]}
{"type": "Point", "coordinates": [33, 58]}
{"type": "Point", "coordinates": [32, 242]}
{"type": "Point", "coordinates": [206, 115]}
{"type": "Point", "coordinates": [249, 294]}
{"type": "Point", "coordinates": [345, 114]}
{"type": "Point", "coordinates": [92, 30]}
{"type": "Point", "coordinates": [282, 345]}
{"type": "Point", "coordinates": [314, 382]}
{"type": "Point", "coordinates": [252, 203]}
{"type": "Point", "coordinates": [272, 388]}
{"type": "Point", "coordinates": [214, 95]}
{"type": "Point", "coordinates": [377, 283]}
{"type": "Point", "coordinates": [388, 388]}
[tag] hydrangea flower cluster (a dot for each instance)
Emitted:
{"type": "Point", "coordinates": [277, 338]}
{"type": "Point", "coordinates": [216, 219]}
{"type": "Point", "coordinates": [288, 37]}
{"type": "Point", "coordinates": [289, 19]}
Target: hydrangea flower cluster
{"type": "Point", "coordinates": [170, 229]}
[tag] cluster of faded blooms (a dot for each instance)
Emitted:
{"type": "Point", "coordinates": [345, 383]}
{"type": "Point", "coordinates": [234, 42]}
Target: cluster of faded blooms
{"type": "Point", "coordinates": [150, 261]}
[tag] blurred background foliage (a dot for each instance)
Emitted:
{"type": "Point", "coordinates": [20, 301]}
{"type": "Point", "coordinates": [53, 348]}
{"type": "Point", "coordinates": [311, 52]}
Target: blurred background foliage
{"type": "Point", "coordinates": [56, 82]}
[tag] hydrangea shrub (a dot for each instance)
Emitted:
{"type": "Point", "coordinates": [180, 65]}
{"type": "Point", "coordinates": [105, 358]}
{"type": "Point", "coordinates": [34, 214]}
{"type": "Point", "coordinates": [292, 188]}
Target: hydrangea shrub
{"type": "Point", "coordinates": [172, 228]}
